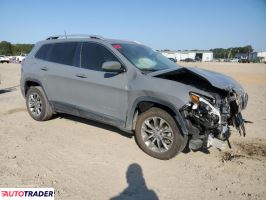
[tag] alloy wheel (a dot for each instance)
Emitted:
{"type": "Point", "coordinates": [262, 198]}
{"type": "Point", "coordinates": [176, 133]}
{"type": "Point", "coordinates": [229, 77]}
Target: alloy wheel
{"type": "Point", "coordinates": [157, 134]}
{"type": "Point", "coordinates": [35, 104]}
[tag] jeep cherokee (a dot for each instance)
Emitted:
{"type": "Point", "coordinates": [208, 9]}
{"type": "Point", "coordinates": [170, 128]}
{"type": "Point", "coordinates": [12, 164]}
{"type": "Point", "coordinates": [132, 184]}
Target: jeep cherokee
{"type": "Point", "coordinates": [132, 87]}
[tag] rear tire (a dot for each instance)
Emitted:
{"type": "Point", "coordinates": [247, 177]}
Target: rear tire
{"type": "Point", "coordinates": [38, 105]}
{"type": "Point", "coordinates": [158, 134]}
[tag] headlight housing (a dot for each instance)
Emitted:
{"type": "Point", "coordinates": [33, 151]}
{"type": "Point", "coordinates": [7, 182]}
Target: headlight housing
{"type": "Point", "coordinates": [195, 98]}
{"type": "Point", "coordinates": [200, 102]}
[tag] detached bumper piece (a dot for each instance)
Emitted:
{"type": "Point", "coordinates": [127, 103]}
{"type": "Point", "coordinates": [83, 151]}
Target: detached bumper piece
{"type": "Point", "coordinates": [212, 141]}
{"type": "Point", "coordinates": [208, 120]}
{"type": "Point", "coordinates": [238, 103]}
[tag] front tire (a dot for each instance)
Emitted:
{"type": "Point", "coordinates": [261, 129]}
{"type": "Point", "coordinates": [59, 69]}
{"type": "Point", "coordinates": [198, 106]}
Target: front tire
{"type": "Point", "coordinates": [38, 105]}
{"type": "Point", "coordinates": [158, 135]}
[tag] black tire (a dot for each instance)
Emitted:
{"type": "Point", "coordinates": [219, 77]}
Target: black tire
{"type": "Point", "coordinates": [46, 111]}
{"type": "Point", "coordinates": [178, 140]}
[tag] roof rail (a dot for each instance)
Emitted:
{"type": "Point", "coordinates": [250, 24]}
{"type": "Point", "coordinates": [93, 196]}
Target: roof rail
{"type": "Point", "coordinates": [75, 36]}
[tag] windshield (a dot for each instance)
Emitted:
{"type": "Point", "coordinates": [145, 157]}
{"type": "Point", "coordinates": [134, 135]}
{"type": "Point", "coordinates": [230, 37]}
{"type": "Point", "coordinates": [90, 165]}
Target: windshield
{"type": "Point", "coordinates": [144, 58]}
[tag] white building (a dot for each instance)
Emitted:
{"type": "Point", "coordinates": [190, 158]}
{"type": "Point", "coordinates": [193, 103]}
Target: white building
{"type": "Point", "coordinates": [257, 55]}
{"type": "Point", "coordinates": [262, 55]}
{"type": "Point", "coordinates": [182, 55]}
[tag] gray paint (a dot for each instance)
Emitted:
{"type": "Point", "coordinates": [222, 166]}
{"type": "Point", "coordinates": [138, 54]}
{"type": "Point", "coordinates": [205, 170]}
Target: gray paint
{"type": "Point", "coordinates": [114, 96]}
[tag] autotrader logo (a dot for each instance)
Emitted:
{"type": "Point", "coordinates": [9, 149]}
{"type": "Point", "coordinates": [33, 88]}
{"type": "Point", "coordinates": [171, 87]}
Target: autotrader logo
{"type": "Point", "coordinates": [27, 193]}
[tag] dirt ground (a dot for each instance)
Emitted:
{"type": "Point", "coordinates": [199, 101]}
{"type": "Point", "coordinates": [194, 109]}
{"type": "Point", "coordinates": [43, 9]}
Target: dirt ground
{"type": "Point", "coordinates": [82, 159]}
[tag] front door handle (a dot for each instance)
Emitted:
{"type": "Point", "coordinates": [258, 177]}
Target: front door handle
{"type": "Point", "coordinates": [44, 68]}
{"type": "Point", "coordinates": [81, 75]}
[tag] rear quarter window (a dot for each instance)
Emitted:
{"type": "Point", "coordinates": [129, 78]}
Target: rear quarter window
{"type": "Point", "coordinates": [43, 51]}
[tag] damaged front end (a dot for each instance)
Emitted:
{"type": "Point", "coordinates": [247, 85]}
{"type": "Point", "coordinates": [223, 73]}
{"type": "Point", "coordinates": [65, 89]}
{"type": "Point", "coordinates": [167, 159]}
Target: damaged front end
{"type": "Point", "coordinates": [209, 117]}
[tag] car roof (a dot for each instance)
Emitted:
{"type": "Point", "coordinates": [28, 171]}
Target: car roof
{"type": "Point", "coordinates": [115, 41]}
{"type": "Point", "coordinates": [68, 38]}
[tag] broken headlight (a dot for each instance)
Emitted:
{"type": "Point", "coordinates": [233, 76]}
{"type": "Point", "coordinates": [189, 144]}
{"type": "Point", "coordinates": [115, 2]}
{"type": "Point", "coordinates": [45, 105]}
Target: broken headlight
{"type": "Point", "coordinates": [196, 98]}
{"type": "Point", "coordinates": [204, 110]}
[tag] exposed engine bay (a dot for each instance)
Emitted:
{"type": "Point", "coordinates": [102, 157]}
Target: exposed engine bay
{"type": "Point", "coordinates": [209, 118]}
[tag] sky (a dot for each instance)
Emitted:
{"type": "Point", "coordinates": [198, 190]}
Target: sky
{"type": "Point", "coordinates": [161, 24]}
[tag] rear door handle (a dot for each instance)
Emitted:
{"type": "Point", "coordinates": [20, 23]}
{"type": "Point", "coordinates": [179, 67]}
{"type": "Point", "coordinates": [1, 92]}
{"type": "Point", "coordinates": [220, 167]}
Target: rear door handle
{"type": "Point", "coordinates": [81, 75]}
{"type": "Point", "coordinates": [44, 68]}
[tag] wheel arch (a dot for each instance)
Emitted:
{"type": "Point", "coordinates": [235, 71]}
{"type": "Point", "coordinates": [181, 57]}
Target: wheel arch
{"type": "Point", "coordinates": [33, 82]}
{"type": "Point", "coordinates": [29, 83]}
{"type": "Point", "coordinates": [142, 104]}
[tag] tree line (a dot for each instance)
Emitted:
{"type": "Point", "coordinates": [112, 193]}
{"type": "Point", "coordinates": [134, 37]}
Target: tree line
{"type": "Point", "coordinates": [230, 52]}
{"type": "Point", "coordinates": [8, 49]}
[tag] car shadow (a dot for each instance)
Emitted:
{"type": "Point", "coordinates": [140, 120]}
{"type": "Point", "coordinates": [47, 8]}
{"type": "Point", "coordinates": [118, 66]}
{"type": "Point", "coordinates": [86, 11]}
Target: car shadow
{"type": "Point", "coordinates": [202, 150]}
{"type": "Point", "coordinates": [10, 89]}
{"type": "Point", "coordinates": [96, 124]}
{"type": "Point", "coordinates": [137, 188]}
{"type": "Point", "coordinates": [5, 91]}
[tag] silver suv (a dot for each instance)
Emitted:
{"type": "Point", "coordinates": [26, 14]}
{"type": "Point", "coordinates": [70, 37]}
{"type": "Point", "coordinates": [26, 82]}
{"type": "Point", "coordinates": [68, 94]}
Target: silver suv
{"type": "Point", "coordinates": [132, 87]}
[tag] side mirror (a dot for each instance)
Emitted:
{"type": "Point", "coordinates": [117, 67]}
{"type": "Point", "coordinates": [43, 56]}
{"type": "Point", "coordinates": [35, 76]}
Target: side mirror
{"type": "Point", "coordinates": [112, 66]}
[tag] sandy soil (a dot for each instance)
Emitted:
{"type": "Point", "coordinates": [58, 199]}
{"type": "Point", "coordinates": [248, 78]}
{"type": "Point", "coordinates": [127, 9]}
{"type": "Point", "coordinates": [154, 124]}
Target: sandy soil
{"type": "Point", "coordinates": [82, 159]}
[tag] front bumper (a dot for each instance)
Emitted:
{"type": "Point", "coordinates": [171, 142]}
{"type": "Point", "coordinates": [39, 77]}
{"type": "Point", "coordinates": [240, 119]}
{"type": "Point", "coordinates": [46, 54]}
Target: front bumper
{"type": "Point", "coordinates": [207, 127]}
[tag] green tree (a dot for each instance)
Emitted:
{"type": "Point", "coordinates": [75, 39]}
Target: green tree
{"type": "Point", "coordinates": [247, 49]}
{"type": "Point", "coordinates": [230, 52]}
{"type": "Point", "coordinates": [5, 48]}
{"type": "Point", "coordinates": [21, 48]}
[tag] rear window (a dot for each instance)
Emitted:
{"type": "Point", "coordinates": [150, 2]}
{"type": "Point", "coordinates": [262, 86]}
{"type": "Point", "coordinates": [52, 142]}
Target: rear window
{"type": "Point", "coordinates": [63, 53]}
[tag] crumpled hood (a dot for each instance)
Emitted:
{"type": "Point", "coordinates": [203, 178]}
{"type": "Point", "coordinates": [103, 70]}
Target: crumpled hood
{"type": "Point", "coordinates": [216, 79]}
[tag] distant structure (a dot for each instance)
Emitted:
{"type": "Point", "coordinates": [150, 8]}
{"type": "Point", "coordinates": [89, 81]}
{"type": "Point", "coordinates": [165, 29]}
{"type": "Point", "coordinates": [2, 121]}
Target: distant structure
{"type": "Point", "coordinates": [205, 56]}
{"type": "Point", "coordinates": [242, 55]}
{"type": "Point", "coordinates": [258, 55]}
{"type": "Point", "coordinates": [261, 56]}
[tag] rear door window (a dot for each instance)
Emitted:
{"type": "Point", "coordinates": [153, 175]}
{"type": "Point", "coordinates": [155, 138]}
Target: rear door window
{"type": "Point", "coordinates": [93, 55]}
{"type": "Point", "coordinates": [64, 53]}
